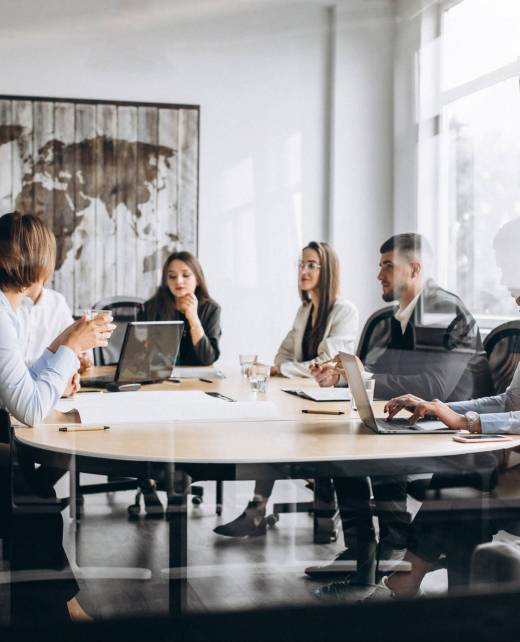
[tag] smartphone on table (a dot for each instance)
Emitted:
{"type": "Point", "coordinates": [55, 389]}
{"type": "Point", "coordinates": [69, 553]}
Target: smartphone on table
{"type": "Point", "coordinates": [468, 438]}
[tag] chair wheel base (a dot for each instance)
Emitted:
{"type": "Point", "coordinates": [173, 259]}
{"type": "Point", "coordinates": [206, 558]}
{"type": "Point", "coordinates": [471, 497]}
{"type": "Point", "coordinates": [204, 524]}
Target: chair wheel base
{"type": "Point", "coordinates": [272, 520]}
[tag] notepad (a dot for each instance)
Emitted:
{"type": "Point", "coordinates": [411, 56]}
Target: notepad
{"type": "Point", "coordinates": [197, 373]}
{"type": "Point", "coordinates": [163, 406]}
{"type": "Point", "coordinates": [320, 394]}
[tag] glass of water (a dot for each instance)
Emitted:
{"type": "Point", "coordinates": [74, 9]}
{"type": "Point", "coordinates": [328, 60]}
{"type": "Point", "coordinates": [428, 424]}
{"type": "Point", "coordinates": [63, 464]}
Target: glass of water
{"type": "Point", "coordinates": [370, 386]}
{"type": "Point", "coordinates": [246, 361]}
{"type": "Point", "coordinates": [258, 375]}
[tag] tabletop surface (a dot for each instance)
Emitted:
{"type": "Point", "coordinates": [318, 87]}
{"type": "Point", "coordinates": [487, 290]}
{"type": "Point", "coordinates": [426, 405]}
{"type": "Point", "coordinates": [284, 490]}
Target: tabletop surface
{"type": "Point", "coordinates": [293, 437]}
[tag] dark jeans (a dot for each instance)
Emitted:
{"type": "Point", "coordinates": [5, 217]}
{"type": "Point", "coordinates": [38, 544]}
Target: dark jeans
{"type": "Point", "coordinates": [390, 494]}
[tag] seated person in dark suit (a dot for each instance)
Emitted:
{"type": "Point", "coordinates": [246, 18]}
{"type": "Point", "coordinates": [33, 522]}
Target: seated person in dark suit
{"type": "Point", "coordinates": [498, 414]}
{"type": "Point", "coordinates": [428, 343]}
{"type": "Point", "coordinates": [183, 296]}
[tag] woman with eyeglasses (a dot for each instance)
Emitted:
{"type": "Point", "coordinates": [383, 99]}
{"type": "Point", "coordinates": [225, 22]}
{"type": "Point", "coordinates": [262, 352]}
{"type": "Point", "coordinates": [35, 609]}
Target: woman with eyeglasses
{"type": "Point", "coordinates": [325, 324]}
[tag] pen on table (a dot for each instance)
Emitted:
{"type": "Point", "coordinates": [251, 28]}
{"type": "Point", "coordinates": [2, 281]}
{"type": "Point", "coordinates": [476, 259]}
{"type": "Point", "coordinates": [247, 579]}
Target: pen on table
{"type": "Point", "coordinates": [205, 380]}
{"type": "Point", "coordinates": [81, 427]}
{"type": "Point", "coordinates": [323, 412]}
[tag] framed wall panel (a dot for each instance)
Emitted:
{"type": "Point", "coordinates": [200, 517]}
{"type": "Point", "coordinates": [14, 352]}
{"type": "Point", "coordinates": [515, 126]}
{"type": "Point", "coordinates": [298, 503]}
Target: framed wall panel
{"type": "Point", "coordinates": [116, 181]}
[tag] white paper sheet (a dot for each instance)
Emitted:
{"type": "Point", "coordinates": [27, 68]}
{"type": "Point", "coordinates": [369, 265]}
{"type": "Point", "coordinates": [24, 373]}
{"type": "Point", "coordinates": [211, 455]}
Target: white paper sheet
{"type": "Point", "coordinates": [163, 406]}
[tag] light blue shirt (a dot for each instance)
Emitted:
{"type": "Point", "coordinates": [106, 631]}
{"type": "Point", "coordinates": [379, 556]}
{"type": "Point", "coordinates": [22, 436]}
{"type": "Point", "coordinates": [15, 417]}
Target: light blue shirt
{"type": "Point", "coordinates": [500, 414]}
{"type": "Point", "coordinates": [30, 393]}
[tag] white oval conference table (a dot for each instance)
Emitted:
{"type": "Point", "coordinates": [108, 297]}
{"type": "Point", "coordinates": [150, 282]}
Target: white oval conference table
{"type": "Point", "coordinates": [293, 445]}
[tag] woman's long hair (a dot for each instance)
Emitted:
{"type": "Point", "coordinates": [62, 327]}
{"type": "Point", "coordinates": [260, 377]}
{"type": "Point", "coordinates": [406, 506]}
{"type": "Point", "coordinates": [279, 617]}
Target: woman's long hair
{"type": "Point", "coordinates": [163, 302]}
{"type": "Point", "coordinates": [328, 286]}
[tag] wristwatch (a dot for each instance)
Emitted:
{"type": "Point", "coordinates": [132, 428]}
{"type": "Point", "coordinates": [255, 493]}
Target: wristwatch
{"type": "Point", "coordinates": [472, 421]}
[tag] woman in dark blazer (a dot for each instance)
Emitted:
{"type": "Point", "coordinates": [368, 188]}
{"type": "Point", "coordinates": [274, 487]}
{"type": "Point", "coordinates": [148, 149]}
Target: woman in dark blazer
{"type": "Point", "coordinates": [183, 296]}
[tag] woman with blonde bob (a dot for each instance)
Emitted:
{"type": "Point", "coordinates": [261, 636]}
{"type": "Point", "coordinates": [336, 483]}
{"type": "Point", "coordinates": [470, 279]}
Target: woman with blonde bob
{"type": "Point", "coordinates": [325, 324]}
{"type": "Point", "coordinates": [27, 259]}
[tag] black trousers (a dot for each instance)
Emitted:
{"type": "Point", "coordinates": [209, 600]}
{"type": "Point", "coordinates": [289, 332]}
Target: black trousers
{"type": "Point", "coordinates": [43, 581]}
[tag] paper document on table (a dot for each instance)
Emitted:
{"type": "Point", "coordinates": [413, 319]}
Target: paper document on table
{"type": "Point", "coordinates": [163, 406]}
{"type": "Point", "coordinates": [320, 394]}
{"type": "Point", "coordinates": [196, 373]}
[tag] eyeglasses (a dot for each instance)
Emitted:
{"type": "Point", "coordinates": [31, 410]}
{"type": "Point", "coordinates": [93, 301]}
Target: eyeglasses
{"type": "Point", "coordinates": [311, 266]}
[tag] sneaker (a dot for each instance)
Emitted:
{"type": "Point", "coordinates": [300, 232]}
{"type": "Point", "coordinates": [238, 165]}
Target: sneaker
{"type": "Point", "coordinates": [380, 592]}
{"type": "Point", "coordinates": [251, 523]}
{"type": "Point", "coordinates": [341, 591]}
{"type": "Point", "coordinates": [391, 560]}
{"type": "Point", "coordinates": [343, 563]}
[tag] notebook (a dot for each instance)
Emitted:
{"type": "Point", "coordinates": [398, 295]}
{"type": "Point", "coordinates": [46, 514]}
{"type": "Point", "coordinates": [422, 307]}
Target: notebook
{"type": "Point", "coordinates": [320, 394]}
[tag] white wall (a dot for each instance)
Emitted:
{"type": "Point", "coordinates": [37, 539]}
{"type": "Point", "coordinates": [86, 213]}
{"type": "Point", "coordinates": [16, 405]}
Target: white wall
{"type": "Point", "coordinates": [258, 75]}
{"type": "Point", "coordinates": [363, 140]}
{"type": "Point", "coordinates": [259, 70]}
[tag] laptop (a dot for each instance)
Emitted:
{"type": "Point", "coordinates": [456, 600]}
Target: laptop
{"type": "Point", "coordinates": [398, 425]}
{"type": "Point", "coordinates": [148, 354]}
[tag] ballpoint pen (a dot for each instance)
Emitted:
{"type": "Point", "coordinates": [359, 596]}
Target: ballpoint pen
{"type": "Point", "coordinates": [323, 412]}
{"type": "Point", "coordinates": [82, 427]}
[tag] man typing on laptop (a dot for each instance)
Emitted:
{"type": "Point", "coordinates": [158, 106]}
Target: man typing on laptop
{"type": "Point", "coordinates": [428, 344]}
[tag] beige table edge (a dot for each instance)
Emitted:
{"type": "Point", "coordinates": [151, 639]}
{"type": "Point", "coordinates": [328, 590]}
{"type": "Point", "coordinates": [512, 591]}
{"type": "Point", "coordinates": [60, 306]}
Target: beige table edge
{"type": "Point", "coordinates": [295, 438]}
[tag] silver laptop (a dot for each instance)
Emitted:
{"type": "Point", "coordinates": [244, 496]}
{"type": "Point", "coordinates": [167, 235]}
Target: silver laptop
{"type": "Point", "coordinates": [399, 425]}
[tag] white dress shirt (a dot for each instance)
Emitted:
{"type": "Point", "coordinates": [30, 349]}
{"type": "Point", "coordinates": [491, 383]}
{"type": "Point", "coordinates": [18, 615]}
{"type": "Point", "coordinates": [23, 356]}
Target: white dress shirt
{"type": "Point", "coordinates": [30, 393]}
{"type": "Point", "coordinates": [42, 322]}
{"type": "Point", "coordinates": [403, 315]}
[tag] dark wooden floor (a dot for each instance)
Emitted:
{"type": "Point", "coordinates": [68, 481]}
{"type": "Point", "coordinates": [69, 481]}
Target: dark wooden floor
{"type": "Point", "coordinates": [224, 574]}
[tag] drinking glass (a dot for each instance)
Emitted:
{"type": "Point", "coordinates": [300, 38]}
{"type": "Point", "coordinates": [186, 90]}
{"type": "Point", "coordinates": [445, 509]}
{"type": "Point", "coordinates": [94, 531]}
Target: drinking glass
{"type": "Point", "coordinates": [246, 360]}
{"type": "Point", "coordinates": [258, 375]}
{"type": "Point", "coordinates": [92, 314]}
{"type": "Point", "coordinates": [370, 386]}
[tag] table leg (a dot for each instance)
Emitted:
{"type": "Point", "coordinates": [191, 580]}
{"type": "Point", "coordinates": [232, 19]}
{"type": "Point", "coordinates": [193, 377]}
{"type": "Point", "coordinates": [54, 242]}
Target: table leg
{"type": "Point", "coordinates": [177, 483]}
{"type": "Point", "coordinates": [325, 512]}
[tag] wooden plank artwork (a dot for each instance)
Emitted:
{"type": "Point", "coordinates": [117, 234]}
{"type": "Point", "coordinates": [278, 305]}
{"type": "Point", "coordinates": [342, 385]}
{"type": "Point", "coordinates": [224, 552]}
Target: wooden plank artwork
{"type": "Point", "coordinates": [116, 182]}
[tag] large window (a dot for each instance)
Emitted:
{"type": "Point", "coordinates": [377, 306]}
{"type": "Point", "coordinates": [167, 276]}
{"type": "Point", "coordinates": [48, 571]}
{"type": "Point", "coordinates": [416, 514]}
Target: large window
{"type": "Point", "coordinates": [472, 72]}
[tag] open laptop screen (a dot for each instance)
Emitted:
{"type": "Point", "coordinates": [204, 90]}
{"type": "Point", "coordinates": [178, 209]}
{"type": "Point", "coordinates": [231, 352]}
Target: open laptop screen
{"type": "Point", "coordinates": [149, 351]}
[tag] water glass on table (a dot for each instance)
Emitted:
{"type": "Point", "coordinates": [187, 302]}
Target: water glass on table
{"type": "Point", "coordinates": [258, 375]}
{"type": "Point", "coordinates": [246, 361]}
{"type": "Point", "coordinates": [370, 386]}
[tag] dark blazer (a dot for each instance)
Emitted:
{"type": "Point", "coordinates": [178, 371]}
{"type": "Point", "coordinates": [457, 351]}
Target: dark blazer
{"type": "Point", "coordinates": [207, 349]}
{"type": "Point", "coordinates": [439, 356]}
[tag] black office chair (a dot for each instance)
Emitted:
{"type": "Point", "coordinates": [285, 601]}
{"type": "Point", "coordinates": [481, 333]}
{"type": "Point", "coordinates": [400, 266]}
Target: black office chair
{"type": "Point", "coordinates": [502, 346]}
{"type": "Point", "coordinates": [5, 482]}
{"type": "Point", "coordinates": [376, 332]}
{"type": "Point", "coordinates": [124, 309]}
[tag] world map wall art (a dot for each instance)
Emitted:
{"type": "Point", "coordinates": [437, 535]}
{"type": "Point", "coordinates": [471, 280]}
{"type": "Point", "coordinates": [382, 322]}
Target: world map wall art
{"type": "Point", "coordinates": [116, 182]}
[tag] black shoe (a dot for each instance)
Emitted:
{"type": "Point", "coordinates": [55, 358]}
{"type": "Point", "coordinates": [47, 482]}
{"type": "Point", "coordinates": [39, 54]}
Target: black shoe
{"type": "Point", "coordinates": [152, 504]}
{"type": "Point", "coordinates": [251, 523]}
{"type": "Point", "coordinates": [343, 563]}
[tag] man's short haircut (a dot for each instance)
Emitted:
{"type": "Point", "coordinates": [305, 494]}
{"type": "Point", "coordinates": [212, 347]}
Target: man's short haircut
{"type": "Point", "coordinates": [27, 250]}
{"type": "Point", "coordinates": [410, 244]}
